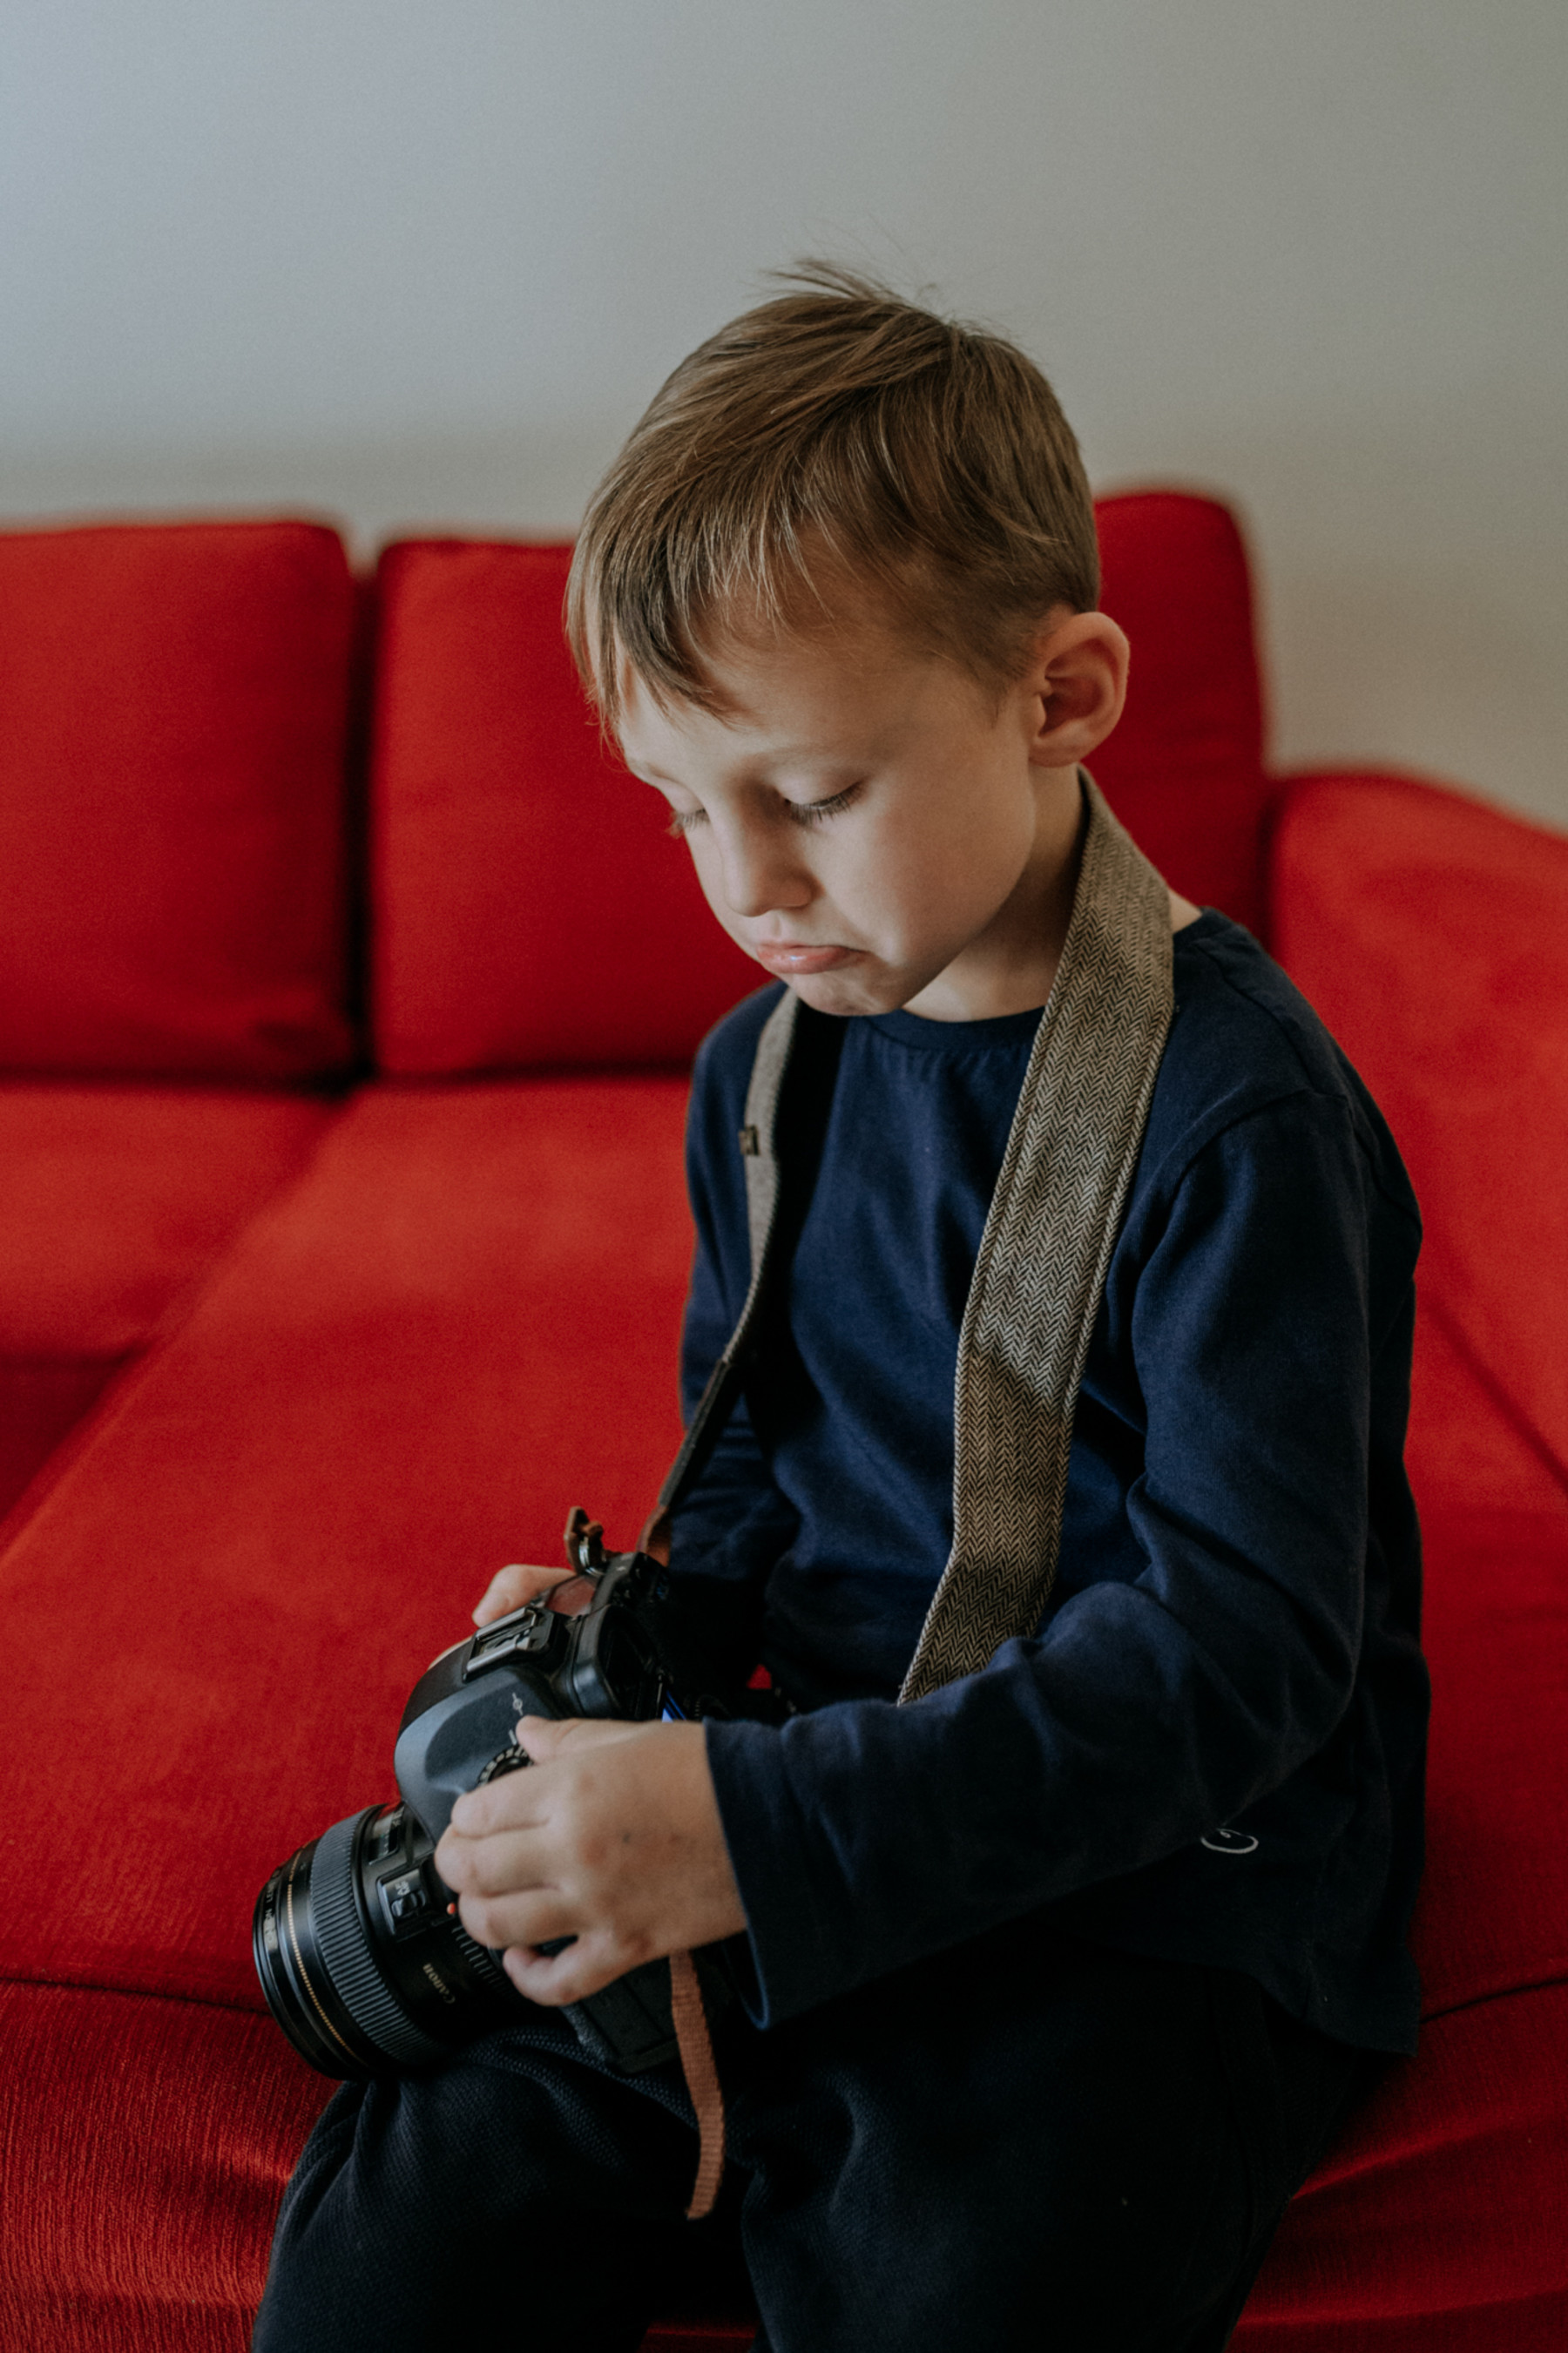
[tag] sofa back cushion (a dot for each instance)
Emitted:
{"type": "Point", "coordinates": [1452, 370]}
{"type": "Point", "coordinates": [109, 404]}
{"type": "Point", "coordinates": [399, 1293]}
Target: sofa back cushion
{"type": "Point", "coordinates": [1431, 933]}
{"type": "Point", "coordinates": [173, 706]}
{"type": "Point", "coordinates": [528, 906]}
{"type": "Point", "coordinates": [1183, 770]}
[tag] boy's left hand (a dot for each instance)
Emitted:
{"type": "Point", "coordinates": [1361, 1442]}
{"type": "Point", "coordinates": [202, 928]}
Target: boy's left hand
{"type": "Point", "coordinates": [612, 1836]}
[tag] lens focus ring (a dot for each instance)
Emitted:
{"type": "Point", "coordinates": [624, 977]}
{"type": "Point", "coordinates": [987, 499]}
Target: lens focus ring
{"type": "Point", "coordinates": [344, 1950]}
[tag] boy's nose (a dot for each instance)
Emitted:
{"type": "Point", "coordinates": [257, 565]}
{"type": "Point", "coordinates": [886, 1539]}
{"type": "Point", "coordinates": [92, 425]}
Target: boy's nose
{"type": "Point", "coordinates": [760, 875]}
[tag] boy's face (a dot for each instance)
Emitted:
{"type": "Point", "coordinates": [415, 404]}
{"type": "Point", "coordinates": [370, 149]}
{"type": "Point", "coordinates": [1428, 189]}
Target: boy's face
{"type": "Point", "coordinates": [873, 826]}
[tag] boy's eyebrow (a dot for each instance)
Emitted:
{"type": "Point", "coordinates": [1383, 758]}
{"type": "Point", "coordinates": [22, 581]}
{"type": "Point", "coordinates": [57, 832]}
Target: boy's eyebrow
{"type": "Point", "coordinates": [785, 756]}
{"type": "Point", "coordinates": [854, 769]}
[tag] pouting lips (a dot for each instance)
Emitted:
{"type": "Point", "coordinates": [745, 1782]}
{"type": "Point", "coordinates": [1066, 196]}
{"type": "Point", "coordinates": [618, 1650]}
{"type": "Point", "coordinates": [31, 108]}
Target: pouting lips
{"type": "Point", "coordinates": [795, 959]}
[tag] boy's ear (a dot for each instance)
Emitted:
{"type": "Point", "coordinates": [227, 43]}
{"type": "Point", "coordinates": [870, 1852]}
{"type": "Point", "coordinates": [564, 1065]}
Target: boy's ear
{"type": "Point", "coordinates": [1077, 680]}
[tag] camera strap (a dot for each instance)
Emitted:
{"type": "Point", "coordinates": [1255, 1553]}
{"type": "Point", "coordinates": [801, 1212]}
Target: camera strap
{"type": "Point", "coordinates": [764, 1222]}
{"type": "Point", "coordinates": [777, 1056]}
{"type": "Point", "coordinates": [1040, 1271]}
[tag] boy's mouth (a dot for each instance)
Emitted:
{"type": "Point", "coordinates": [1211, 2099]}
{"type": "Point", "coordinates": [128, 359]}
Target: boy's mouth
{"type": "Point", "coordinates": [793, 959]}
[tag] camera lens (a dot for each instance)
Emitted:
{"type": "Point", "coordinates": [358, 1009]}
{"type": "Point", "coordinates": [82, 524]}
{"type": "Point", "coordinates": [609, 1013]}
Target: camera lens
{"type": "Point", "coordinates": [363, 1963]}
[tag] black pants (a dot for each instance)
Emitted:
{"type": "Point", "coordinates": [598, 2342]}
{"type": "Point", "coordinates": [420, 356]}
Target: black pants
{"type": "Point", "coordinates": [1030, 2142]}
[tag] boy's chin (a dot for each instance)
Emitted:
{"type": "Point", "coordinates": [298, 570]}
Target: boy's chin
{"type": "Point", "coordinates": [852, 991]}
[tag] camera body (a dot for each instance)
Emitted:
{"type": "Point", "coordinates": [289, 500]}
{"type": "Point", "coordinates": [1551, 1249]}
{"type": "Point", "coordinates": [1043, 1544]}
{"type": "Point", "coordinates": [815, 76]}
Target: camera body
{"type": "Point", "coordinates": [599, 1645]}
{"type": "Point", "coordinates": [362, 1956]}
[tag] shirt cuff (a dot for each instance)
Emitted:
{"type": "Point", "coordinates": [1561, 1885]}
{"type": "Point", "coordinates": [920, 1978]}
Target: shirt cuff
{"type": "Point", "coordinates": [797, 1959]}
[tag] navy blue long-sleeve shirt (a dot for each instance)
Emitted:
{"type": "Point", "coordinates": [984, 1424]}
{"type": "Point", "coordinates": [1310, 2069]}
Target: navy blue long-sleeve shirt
{"type": "Point", "coordinates": [1213, 1748]}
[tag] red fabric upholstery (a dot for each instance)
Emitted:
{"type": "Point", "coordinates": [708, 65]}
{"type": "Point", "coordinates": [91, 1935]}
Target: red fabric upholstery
{"type": "Point", "coordinates": [113, 1201]}
{"type": "Point", "coordinates": [148, 2201]}
{"type": "Point", "coordinates": [1440, 2223]}
{"type": "Point", "coordinates": [40, 1403]}
{"type": "Point", "coordinates": [528, 907]}
{"type": "Point", "coordinates": [233, 1654]}
{"type": "Point", "coordinates": [1432, 934]}
{"type": "Point", "coordinates": [460, 1321]}
{"type": "Point", "coordinates": [113, 1198]}
{"type": "Point", "coordinates": [172, 702]}
{"type": "Point", "coordinates": [1183, 770]}
{"type": "Point", "coordinates": [1493, 1914]}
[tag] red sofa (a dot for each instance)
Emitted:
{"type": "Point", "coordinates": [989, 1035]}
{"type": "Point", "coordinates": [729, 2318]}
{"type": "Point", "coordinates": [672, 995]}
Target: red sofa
{"type": "Point", "coordinates": [345, 991]}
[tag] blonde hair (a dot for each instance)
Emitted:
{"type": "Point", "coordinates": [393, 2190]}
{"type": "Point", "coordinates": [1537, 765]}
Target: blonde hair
{"type": "Point", "coordinates": [835, 434]}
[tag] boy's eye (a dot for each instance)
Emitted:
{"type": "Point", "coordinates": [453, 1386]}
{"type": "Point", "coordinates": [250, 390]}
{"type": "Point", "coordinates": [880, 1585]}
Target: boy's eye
{"type": "Point", "coordinates": [814, 812]}
{"type": "Point", "coordinates": [797, 812]}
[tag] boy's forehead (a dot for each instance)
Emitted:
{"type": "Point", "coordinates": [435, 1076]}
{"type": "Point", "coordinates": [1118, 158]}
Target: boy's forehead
{"type": "Point", "coordinates": [804, 695]}
{"type": "Point", "coordinates": [668, 745]}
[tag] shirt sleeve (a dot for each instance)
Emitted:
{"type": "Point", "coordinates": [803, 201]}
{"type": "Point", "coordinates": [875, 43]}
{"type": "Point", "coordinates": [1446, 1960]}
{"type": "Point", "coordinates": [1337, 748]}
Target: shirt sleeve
{"type": "Point", "coordinates": [1152, 1707]}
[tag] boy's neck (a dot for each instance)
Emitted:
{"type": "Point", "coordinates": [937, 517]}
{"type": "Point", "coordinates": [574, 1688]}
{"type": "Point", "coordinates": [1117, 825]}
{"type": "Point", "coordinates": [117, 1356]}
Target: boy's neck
{"type": "Point", "coordinates": [1010, 967]}
{"type": "Point", "coordinates": [1012, 964]}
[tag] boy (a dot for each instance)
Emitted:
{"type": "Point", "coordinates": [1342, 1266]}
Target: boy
{"type": "Point", "coordinates": [1069, 1901]}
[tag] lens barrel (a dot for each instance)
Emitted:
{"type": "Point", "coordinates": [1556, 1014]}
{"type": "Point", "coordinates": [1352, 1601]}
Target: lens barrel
{"type": "Point", "coordinates": [363, 1963]}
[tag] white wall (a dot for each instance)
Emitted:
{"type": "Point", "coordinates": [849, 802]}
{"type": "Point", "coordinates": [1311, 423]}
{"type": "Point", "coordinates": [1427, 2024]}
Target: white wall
{"type": "Point", "coordinates": [423, 260]}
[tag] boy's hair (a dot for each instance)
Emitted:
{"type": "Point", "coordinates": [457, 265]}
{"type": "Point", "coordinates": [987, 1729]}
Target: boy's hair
{"type": "Point", "coordinates": [836, 435]}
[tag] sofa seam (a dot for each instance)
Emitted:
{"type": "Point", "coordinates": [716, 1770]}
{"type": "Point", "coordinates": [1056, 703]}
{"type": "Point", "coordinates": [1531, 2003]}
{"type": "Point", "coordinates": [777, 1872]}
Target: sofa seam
{"type": "Point", "coordinates": [1544, 1984]}
{"type": "Point", "coordinates": [232, 2008]}
{"type": "Point", "coordinates": [235, 2006]}
{"type": "Point", "coordinates": [124, 1384]}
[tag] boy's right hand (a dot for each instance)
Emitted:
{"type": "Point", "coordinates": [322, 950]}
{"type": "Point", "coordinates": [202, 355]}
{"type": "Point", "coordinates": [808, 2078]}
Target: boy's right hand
{"type": "Point", "coordinates": [510, 1587]}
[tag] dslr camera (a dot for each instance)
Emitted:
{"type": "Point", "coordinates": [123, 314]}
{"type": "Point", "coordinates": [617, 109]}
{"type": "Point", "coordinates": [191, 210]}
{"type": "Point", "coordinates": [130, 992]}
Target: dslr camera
{"type": "Point", "coordinates": [362, 1956]}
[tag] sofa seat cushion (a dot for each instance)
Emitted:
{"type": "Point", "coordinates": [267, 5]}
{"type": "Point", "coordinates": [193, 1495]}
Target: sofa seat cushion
{"type": "Point", "coordinates": [462, 1322]}
{"type": "Point", "coordinates": [1493, 1913]}
{"type": "Point", "coordinates": [152, 2228]}
{"type": "Point", "coordinates": [144, 2145]}
{"type": "Point", "coordinates": [1492, 1918]}
{"type": "Point", "coordinates": [174, 701]}
{"type": "Point", "coordinates": [149, 2232]}
{"type": "Point", "coordinates": [114, 1202]}
{"type": "Point", "coordinates": [1439, 2224]}
{"type": "Point", "coordinates": [1432, 934]}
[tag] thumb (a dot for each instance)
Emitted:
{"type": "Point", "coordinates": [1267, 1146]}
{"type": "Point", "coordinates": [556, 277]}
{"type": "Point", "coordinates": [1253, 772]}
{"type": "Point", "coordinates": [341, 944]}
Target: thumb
{"type": "Point", "coordinates": [541, 1739]}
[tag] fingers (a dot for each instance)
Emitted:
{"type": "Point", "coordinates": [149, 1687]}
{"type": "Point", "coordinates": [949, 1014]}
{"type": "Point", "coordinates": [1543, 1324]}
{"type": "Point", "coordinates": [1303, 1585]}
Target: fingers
{"type": "Point", "coordinates": [596, 1960]}
{"type": "Point", "coordinates": [506, 1889]}
{"type": "Point", "coordinates": [543, 1738]}
{"type": "Point", "coordinates": [527, 1917]}
{"type": "Point", "coordinates": [510, 1587]}
{"type": "Point", "coordinates": [620, 1846]}
{"type": "Point", "coordinates": [506, 1862]}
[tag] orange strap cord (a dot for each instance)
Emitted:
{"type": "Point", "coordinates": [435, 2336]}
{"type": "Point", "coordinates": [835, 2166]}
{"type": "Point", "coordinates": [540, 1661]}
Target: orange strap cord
{"type": "Point", "coordinates": [696, 2044]}
{"type": "Point", "coordinates": [701, 2081]}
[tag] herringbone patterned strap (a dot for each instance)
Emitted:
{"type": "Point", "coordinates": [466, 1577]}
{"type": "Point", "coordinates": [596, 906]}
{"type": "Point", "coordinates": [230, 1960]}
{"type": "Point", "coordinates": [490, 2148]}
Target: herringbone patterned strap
{"type": "Point", "coordinates": [1045, 1254]}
